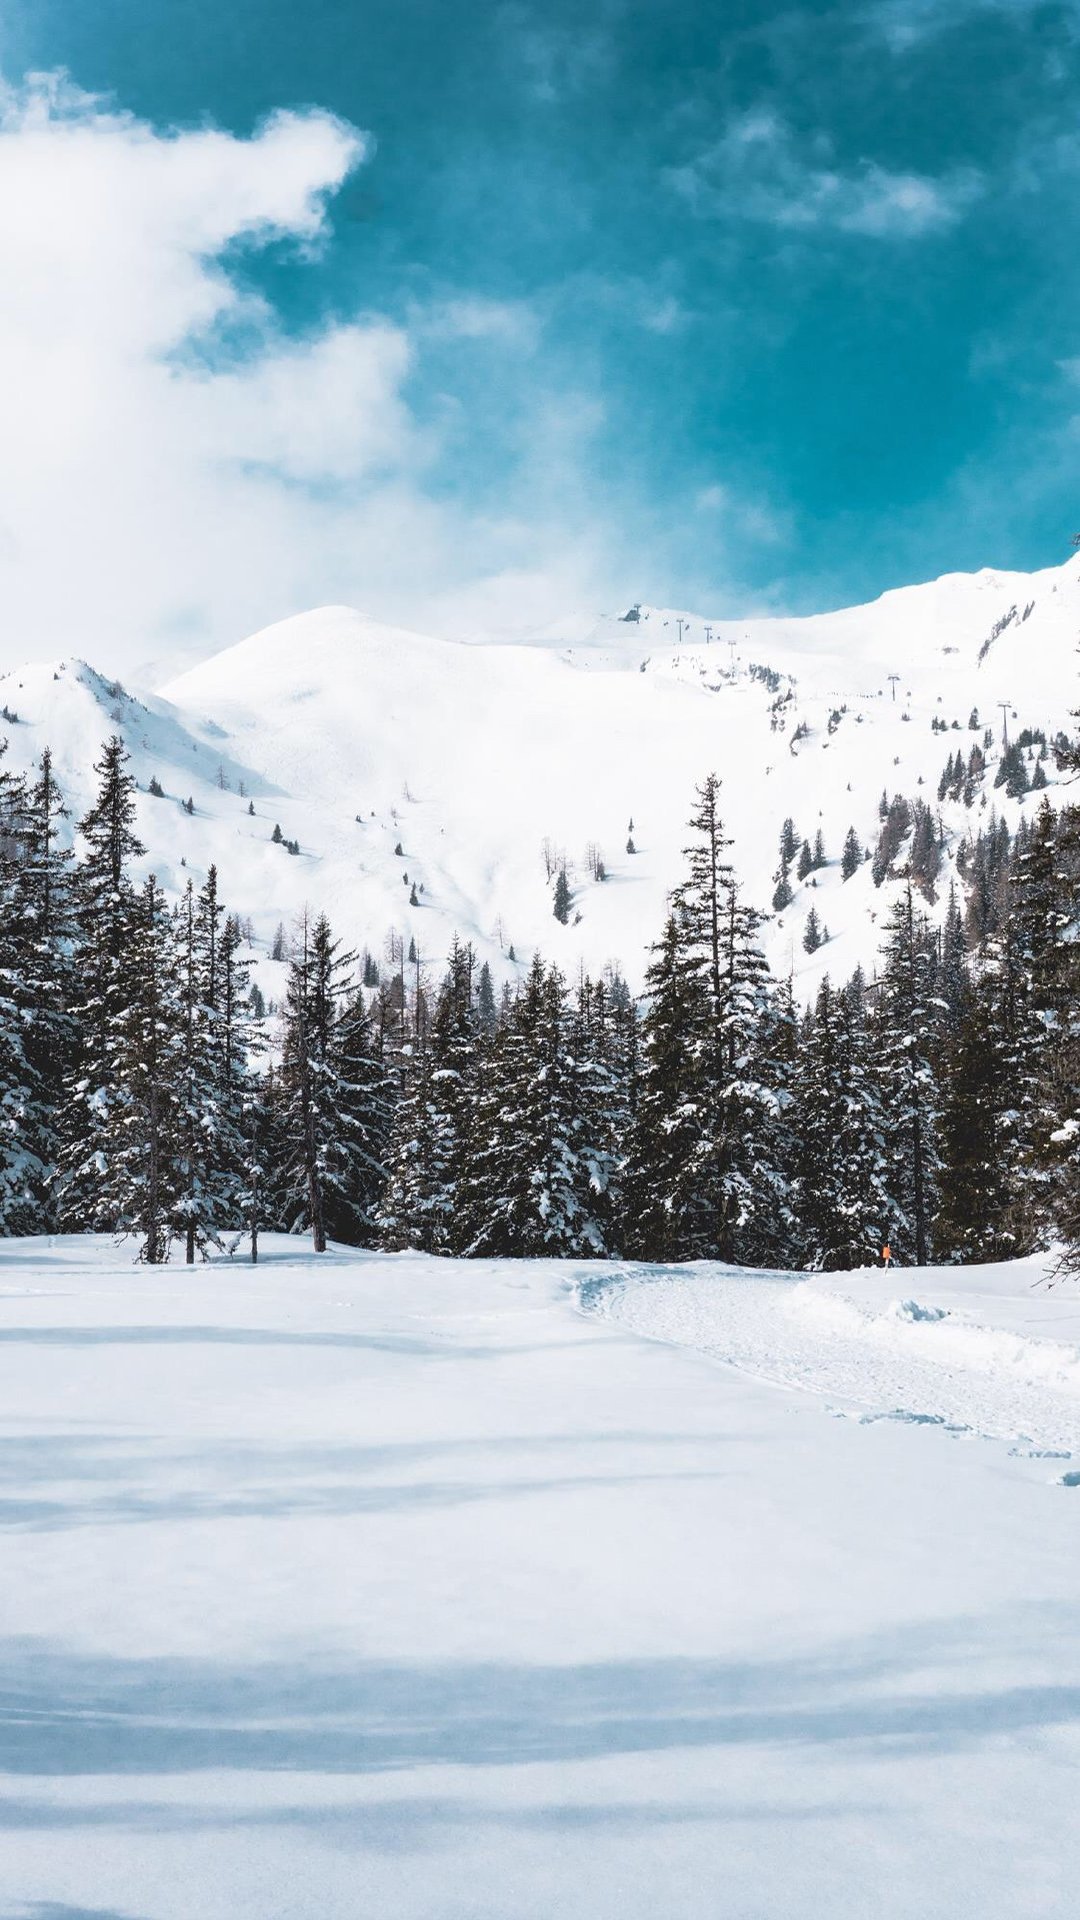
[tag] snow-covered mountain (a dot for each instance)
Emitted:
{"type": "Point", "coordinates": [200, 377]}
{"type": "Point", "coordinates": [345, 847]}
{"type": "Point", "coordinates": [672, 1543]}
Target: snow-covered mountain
{"type": "Point", "coordinates": [356, 738]}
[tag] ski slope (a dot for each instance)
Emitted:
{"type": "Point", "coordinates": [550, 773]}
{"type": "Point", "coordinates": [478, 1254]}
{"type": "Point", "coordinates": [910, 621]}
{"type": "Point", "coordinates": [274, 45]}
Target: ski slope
{"type": "Point", "coordinates": [357, 738]}
{"type": "Point", "coordinates": [435, 1591]}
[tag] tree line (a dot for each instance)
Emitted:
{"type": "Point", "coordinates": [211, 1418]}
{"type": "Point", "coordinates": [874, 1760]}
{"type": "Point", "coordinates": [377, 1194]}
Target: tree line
{"type": "Point", "coordinates": [935, 1107]}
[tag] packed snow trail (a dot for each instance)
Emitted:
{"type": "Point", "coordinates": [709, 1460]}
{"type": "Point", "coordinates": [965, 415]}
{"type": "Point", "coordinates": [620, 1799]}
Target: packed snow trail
{"type": "Point", "coordinates": [387, 1588]}
{"type": "Point", "coordinates": [932, 1354]}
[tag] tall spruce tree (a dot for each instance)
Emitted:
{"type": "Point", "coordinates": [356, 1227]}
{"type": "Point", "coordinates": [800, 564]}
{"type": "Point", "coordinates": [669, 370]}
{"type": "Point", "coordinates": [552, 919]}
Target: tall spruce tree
{"type": "Point", "coordinates": [660, 1210]}
{"type": "Point", "coordinates": [906, 1036]}
{"type": "Point", "coordinates": [701, 1172]}
{"type": "Point", "coordinates": [600, 1040]}
{"type": "Point", "coordinates": [421, 1205]}
{"type": "Point", "coordinates": [524, 1193]}
{"type": "Point", "coordinates": [842, 1199]}
{"type": "Point", "coordinates": [982, 1212]}
{"type": "Point", "coordinates": [328, 1091]}
{"type": "Point", "coordinates": [140, 1148]}
{"type": "Point", "coordinates": [23, 1118]}
{"type": "Point", "coordinates": [1044, 899]}
{"type": "Point", "coordinates": [851, 857]}
{"type": "Point", "coordinates": [106, 917]}
{"type": "Point", "coordinates": [215, 1012]}
{"type": "Point", "coordinates": [46, 932]}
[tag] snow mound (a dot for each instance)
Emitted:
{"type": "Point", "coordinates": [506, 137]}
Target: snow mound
{"type": "Point", "coordinates": [971, 1362]}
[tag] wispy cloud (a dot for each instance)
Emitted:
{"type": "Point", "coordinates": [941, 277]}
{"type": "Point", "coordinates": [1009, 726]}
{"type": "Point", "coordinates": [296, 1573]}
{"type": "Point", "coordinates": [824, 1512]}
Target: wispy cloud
{"type": "Point", "coordinates": [555, 63]}
{"type": "Point", "coordinates": [468, 316]}
{"type": "Point", "coordinates": [666, 315]}
{"type": "Point", "coordinates": [759, 171]}
{"type": "Point", "coordinates": [740, 518]}
{"type": "Point", "coordinates": [904, 24]}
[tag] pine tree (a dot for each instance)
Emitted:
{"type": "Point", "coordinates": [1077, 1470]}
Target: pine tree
{"type": "Point", "coordinates": [1061, 1060]}
{"type": "Point", "coordinates": [782, 892]}
{"type": "Point", "coordinates": [767, 1235]}
{"type": "Point", "coordinates": [895, 828]}
{"type": "Point", "coordinates": [332, 1095]}
{"type": "Point", "coordinates": [981, 1209]}
{"type": "Point", "coordinates": [23, 1168]}
{"type": "Point", "coordinates": [1044, 897]}
{"type": "Point", "coordinates": [1012, 771]}
{"type": "Point", "coordinates": [106, 916]}
{"type": "Point", "coordinates": [842, 1200]}
{"type": "Point", "coordinates": [213, 987]}
{"type": "Point", "coordinates": [39, 969]}
{"type": "Point", "coordinates": [422, 1206]}
{"type": "Point", "coordinates": [851, 858]}
{"type": "Point", "coordinates": [660, 1208]}
{"type": "Point", "coordinates": [700, 1174]}
{"type": "Point", "coordinates": [485, 1000]}
{"type": "Point", "coordinates": [266, 1158]}
{"type": "Point", "coordinates": [140, 1161]}
{"type": "Point", "coordinates": [924, 859]}
{"type": "Point", "coordinates": [602, 1054]}
{"type": "Point", "coordinates": [523, 1196]}
{"type": "Point", "coordinates": [906, 1036]}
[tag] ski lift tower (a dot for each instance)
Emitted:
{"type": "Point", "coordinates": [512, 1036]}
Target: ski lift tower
{"type": "Point", "coordinates": [1005, 706]}
{"type": "Point", "coordinates": [894, 677]}
{"type": "Point", "coordinates": [731, 644]}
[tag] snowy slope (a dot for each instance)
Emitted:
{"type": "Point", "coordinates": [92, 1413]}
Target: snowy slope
{"type": "Point", "coordinates": [392, 1587]}
{"type": "Point", "coordinates": [356, 737]}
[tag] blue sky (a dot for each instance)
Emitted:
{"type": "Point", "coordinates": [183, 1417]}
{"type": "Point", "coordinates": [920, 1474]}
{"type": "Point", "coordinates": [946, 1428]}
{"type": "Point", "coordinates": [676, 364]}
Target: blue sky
{"type": "Point", "coordinates": [724, 305]}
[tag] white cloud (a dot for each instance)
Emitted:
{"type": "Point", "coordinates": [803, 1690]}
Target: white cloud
{"type": "Point", "coordinates": [326, 409]}
{"type": "Point", "coordinates": [759, 171]}
{"type": "Point", "coordinates": [513, 323]}
{"type": "Point", "coordinates": [177, 470]}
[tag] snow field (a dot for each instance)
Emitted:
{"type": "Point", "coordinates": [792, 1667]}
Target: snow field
{"type": "Point", "coordinates": [387, 1586]}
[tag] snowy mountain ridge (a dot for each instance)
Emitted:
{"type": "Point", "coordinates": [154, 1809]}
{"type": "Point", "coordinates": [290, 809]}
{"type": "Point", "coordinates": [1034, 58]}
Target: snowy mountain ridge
{"type": "Point", "coordinates": [487, 765]}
